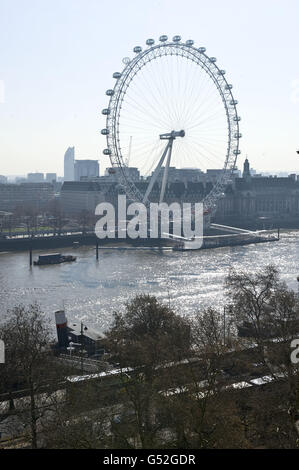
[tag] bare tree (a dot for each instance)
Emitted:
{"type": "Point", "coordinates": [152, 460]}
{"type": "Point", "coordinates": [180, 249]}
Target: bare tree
{"type": "Point", "coordinates": [143, 341]}
{"type": "Point", "coordinates": [202, 414]}
{"type": "Point", "coordinates": [29, 361]}
{"type": "Point", "coordinates": [269, 311]}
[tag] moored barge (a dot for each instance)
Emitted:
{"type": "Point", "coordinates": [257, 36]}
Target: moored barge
{"type": "Point", "coordinates": [53, 258]}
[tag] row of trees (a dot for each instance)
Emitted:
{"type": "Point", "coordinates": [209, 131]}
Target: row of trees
{"type": "Point", "coordinates": [184, 383]}
{"type": "Point", "coordinates": [29, 220]}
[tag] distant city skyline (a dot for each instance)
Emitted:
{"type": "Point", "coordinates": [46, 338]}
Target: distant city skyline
{"type": "Point", "coordinates": [104, 172]}
{"type": "Point", "coordinates": [58, 58]}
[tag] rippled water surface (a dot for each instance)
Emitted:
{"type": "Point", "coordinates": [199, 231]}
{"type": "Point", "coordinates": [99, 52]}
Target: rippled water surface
{"type": "Point", "coordinates": [91, 290]}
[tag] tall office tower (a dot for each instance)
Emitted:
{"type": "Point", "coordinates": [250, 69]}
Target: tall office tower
{"type": "Point", "coordinates": [69, 164]}
{"type": "Point", "coordinates": [86, 169]}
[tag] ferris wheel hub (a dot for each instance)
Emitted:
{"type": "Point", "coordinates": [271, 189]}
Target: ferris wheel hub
{"type": "Point", "coordinates": [172, 135]}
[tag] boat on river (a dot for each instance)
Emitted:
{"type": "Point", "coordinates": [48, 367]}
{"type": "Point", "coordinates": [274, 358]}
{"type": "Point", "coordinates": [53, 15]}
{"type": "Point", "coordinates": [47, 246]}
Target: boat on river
{"type": "Point", "coordinates": [53, 258]}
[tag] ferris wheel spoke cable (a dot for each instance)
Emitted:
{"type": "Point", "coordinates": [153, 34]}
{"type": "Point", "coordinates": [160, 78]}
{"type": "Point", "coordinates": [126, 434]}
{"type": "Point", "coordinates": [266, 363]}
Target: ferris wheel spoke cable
{"type": "Point", "coordinates": [162, 105]}
{"type": "Point", "coordinates": [200, 157]}
{"type": "Point", "coordinates": [172, 105]}
{"type": "Point", "coordinates": [165, 106]}
{"type": "Point", "coordinates": [205, 90]}
{"type": "Point", "coordinates": [141, 96]}
{"type": "Point", "coordinates": [179, 92]}
{"type": "Point", "coordinates": [156, 118]}
{"type": "Point", "coordinates": [142, 151]}
{"type": "Point", "coordinates": [127, 128]}
{"type": "Point", "coordinates": [190, 97]}
{"type": "Point", "coordinates": [146, 111]}
{"type": "Point", "coordinates": [186, 151]}
{"type": "Point", "coordinates": [207, 120]}
{"type": "Point", "coordinates": [148, 88]}
{"type": "Point", "coordinates": [204, 150]}
{"type": "Point", "coordinates": [154, 163]}
{"type": "Point", "coordinates": [204, 124]}
{"type": "Point", "coordinates": [172, 84]}
{"type": "Point", "coordinates": [140, 93]}
{"type": "Point", "coordinates": [202, 88]}
{"type": "Point", "coordinates": [208, 154]}
{"type": "Point", "coordinates": [203, 120]}
{"type": "Point", "coordinates": [210, 138]}
{"type": "Point", "coordinates": [202, 107]}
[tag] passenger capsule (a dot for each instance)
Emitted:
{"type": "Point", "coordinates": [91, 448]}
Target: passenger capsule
{"type": "Point", "coordinates": [116, 75]}
{"type": "Point", "coordinates": [237, 118]}
{"type": "Point", "coordinates": [109, 92]}
{"type": "Point", "coordinates": [190, 42]}
{"type": "Point", "coordinates": [238, 135]}
{"type": "Point", "coordinates": [106, 111]}
{"type": "Point", "coordinates": [107, 152]}
{"type": "Point", "coordinates": [137, 49]}
{"type": "Point", "coordinates": [163, 38]}
{"type": "Point", "coordinates": [213, 59]}
{"type": "Point", "coordinates": [202, 50]}
{"type": "Point", "coordinates": [150, 42]}
{"type": "Point", "coordinates": [221, 72]}
{"type": "Point", "coordinates": [237, 152]}
{"type": "Point", "coordinates": [105, 131]}
{"type": "Point", "coordinates": [233, 102]}
{"type": "Point", "coordinates": [229, 87]}
{"type": "Point", "coordinates": [176, 38]}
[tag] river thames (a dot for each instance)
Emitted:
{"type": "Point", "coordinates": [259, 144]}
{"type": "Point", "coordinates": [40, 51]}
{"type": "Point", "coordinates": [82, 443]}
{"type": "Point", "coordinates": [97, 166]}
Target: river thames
{"type": "Point", "coordinates": [91, 290]}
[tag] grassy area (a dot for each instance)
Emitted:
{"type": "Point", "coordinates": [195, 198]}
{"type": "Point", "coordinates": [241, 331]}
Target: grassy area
{"type": "Point", "coordinates": [24, 229]}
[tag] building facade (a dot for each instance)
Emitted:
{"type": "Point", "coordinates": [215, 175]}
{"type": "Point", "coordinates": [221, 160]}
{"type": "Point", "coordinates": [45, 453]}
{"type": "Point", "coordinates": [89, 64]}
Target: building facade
{"type": "Point", "coordinates": [35, 177]}
{"type": "Point", "coordinates": [248, 201]}
{"type": "Point", "coordinates": [51, 177]}
{"type": "Point", "coordinates": [3, 179]}
{"type": "Point", "coordinates": [115, 174]}
{"type": "Point", "coordinates": [262, 198]}
{"type": "Point", "coordinates": [34, 196]}
{"type": "Point", "coordinates": [86, 169]}
{"type": "Point", "coordinates": [79, 196]}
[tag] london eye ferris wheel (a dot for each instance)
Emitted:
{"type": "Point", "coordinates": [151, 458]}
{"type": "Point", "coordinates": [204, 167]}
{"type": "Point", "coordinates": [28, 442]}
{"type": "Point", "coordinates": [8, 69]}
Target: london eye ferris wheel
{"type": "Point", "coordinates": [171, 106]}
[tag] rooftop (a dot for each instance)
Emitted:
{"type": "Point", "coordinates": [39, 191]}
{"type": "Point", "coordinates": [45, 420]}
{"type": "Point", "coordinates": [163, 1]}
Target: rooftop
{"type": "Point", "coordinates": [89, 332]}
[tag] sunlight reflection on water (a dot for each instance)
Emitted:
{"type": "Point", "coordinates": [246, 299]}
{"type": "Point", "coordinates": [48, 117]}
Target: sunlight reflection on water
{"type": "Point", "coordinates": [93, 290]}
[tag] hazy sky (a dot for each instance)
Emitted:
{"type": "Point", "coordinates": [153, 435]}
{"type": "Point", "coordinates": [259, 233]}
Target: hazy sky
{"type": "Point", "coordinates": [57, 58]}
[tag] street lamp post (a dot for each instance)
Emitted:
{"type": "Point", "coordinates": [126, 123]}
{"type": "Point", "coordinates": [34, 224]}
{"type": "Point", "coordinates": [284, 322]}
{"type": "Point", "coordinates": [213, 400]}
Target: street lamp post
{"type": "Point", "coordinates": [226, 309]}
{"type": "Point", "coordinates": [224, 323]}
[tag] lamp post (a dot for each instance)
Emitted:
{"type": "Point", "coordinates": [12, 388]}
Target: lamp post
{"type": "Point", "coordinates": [224, 325]}
{"type": "Point", "coordinates": [70, 349]}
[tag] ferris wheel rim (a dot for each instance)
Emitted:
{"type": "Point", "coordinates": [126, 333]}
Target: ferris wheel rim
{"type": "Point", "coordinates": [117, 95]}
